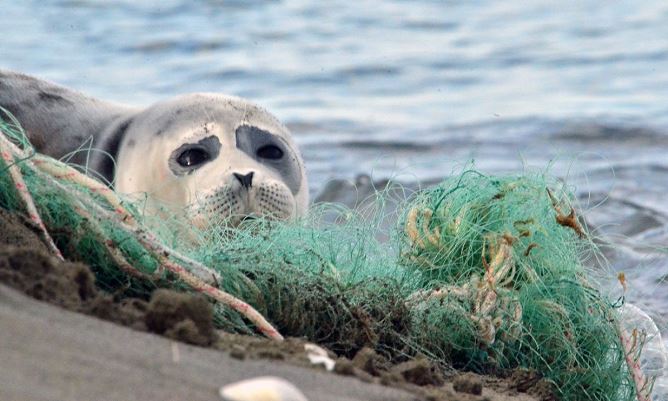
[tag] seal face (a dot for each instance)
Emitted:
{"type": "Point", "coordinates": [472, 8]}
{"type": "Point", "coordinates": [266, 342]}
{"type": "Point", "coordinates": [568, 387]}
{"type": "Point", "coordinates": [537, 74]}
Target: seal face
{"type": "Point", "coordinates": [218, 158]}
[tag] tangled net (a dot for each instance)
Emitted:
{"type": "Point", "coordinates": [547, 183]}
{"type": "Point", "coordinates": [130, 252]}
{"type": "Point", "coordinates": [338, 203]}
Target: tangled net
{"type": "Point", "coordinates": [482, 273]}
{"type": "Point", "coordinates": [503, 267]}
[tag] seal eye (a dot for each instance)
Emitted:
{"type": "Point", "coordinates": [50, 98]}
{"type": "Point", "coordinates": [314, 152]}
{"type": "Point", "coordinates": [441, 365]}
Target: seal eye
{"type": "Point", "coordinates": [192, 157]}
{"type": "Point", "coordinates": [271, 152]}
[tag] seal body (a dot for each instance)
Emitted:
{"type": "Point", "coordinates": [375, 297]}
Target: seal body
{"type": "Point", "coordinates": [216, 157]}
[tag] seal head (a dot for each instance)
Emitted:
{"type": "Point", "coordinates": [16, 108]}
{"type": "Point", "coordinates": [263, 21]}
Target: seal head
{"type": "Point", "coordinates": [218, 158]}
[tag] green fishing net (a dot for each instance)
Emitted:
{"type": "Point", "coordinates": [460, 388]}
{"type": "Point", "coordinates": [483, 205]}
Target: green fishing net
{"type": "Point", "coordinates": [483, 273]}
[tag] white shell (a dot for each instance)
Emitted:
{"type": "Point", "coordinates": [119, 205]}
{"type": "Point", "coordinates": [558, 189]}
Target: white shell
{"type": "Point", "coordinates": [266, 388]}
{"type": "Point", "coordinates": [318, 356]}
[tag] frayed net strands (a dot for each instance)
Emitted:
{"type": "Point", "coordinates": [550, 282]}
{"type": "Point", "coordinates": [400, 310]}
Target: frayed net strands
{"type": "Point", "coordinates": [506, 286]}
{"type": "Point", "coordinates": [7, 150]}
{"type": "Point", "coordinates": [54, 171]}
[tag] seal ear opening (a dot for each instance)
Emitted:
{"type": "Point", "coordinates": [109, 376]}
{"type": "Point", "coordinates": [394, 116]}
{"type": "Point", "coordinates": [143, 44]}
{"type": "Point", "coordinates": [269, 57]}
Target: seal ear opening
{"type": "Point", "coordinates": [106, 161]}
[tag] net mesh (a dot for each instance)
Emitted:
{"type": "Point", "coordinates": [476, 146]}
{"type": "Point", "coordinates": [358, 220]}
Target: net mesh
{"type": "Point", "coordinates": [483, 273]}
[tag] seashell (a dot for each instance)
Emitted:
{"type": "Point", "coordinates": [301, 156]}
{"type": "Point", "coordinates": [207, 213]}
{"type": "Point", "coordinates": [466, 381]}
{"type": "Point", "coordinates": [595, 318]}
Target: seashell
{"type": "Point", "coordinates": [265, 388]}
{"type": "Point", "coordinates": [318, 356]}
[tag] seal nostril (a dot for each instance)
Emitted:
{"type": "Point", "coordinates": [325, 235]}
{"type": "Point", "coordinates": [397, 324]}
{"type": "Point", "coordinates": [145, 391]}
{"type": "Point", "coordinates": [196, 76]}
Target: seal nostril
{"type": "Point", "coordinates": [245, 180]}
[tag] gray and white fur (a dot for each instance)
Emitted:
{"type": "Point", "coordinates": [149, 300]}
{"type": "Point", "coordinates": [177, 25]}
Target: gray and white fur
{"type": "Point", "coordinates": [214, 156]}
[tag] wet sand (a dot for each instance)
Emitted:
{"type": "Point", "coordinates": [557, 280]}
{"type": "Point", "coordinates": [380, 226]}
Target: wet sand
{"type": "Point", "coordinates": [48, 353]}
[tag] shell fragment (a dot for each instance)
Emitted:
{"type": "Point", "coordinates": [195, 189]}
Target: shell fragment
{"type": "Point", "coordinates": [266, 388]}
{"type": "Point", "coordinates": [318, 356]}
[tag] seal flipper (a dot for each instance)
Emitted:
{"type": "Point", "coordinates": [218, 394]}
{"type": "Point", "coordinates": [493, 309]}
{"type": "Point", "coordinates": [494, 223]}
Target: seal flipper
{"type": "Point", "coordinates": [59, 121]}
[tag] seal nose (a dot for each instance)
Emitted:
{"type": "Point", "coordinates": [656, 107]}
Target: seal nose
{"type": "Point", "coordinates": [245, 180]}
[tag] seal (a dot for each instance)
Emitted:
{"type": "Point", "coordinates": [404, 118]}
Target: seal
{"type": "Point", "coordinates": [219, 158]}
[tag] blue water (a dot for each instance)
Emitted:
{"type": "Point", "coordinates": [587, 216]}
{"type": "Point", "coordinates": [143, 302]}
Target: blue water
{"type": "Point", "coordinates": [388, 73]}
{"type": "Point", "coordinates": [404, 89]}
